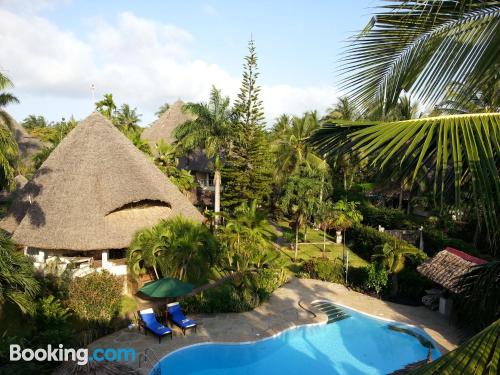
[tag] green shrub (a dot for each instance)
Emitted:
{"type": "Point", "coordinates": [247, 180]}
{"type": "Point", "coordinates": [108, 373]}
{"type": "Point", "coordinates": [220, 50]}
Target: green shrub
{"type": "Point", "coordinates": [324, 269]}
{"type": "Point", "coordinates": [435, 241]}
{"type": "Point", "coordinates": [52, 323]}
{"type": "Point", "coordinates": [96, 297]}
{"type": "Point", "coordinates": [363, 240]}
{"type": "Point", "coordinates": [412, 285]}
{"type": "Point", "coordinates": [377, 277]}
{"type": "Point", "coordinates": [240, 296]}
{"type": "Point", "coordinates": [389, 218]}
{"type": "Point", "coordinates": [356, 277]}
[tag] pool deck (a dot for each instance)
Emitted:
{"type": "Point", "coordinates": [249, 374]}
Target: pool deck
{"type": "Point", "coordinates": [288, 307]}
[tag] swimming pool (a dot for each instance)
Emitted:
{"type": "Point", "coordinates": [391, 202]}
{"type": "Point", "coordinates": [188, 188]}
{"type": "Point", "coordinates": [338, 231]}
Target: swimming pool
{"type": "Point", "coordinates": [350, 343]}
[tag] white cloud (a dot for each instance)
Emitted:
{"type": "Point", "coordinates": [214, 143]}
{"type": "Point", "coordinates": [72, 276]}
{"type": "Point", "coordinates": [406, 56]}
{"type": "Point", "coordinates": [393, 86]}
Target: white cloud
{"type": "Point", "coordinates": [142, 62]}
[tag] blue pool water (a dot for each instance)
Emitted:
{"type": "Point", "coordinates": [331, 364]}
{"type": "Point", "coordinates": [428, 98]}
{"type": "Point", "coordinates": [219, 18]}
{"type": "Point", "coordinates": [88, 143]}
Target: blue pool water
{"type": "Point", "coordinates": [355, 344]}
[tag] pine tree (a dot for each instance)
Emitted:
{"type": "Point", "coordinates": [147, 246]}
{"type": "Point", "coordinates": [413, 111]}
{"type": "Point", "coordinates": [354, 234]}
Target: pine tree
{"type": "Point", "coordinates": [247, 172]}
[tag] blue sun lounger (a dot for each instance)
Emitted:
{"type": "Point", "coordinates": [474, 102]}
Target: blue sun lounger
{"type": "Point", "coordinates": [177, 317]}
{"type": "Point", "coordinates": [147, 320]}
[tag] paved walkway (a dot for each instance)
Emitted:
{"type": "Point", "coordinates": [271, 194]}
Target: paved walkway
{"type": "Point", "coordinates": [281, 312]}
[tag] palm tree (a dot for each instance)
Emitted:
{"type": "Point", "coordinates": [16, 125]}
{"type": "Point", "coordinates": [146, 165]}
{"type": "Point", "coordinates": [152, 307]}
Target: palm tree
{"type": "Point", "coordinates": [393, 258]}
{"type": "Point", "coordinates": [300, 200]}
{"type": "Point", "coordinates": [166, 160]}
{"type": "Point", "coordinates": [106, 106]}
{"type": "Point", "coordinates": [17, 283]}
{"type": "Point", "coordinates": [8, 145]}
{"type": "Point", "coordinates": [327, 218]}
{"type": "Point", "coordinates": [212, 131]}
{"type": "Point", "coordinates": [342, 110]}
{"type": "Point", "coordinates": [293, 150]}
{"type": "Point", "coordinates": [346, 215]}
{"type": "Point", "coordinates": [128, 118]}
{"type": "Point", "coordinates": [176, 248]}
{"type": "Point", "coordinates": [422, 47]}
{"type": "Point", "coordinates": [33, 121]}
{"type": "Point", "coordinates": [478, 302]}
{"type": "Point", "coordinates": [163, 108]}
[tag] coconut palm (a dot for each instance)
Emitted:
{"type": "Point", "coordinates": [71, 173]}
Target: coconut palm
{"type": "Point", "coordinates": [17, 283]}
{"type": "Point", "coordinates": [33, 122]}
{"type": "Point", "coordinates": [106, 106]}
{"type": "Point", "coordinates": [300, 200]}
{"type": "Point", "coordinates": [393, 257]}
{"type": "Point", "coordinates": [212, 131]}
{"type": "Point", "coordinates": [127, 118]}
{"type": "Point", "coordinates": [293, 150]}
{"type": "Point", "coordinates": [8, 145]}
{"type": "Point", "coordinates": [429, 48]}
{"type": "Point", "coordinates": [422, 47]}
{"type": "Point", "coordinates": [163, 108]}
{"type": "Point", "coordinates": [342, 110]}
{"type": "Point", "coordinates": [346, 214]}
{"type": "Point", "coordinates": [326, 217]}
{"type": "Point", "coordinates": [166, 160]}
{"type": "Point", "coordinates": [478, 303]}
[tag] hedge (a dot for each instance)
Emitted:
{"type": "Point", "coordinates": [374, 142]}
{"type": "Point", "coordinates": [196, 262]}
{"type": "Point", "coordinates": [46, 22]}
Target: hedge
{"type": "Point", "coordinates": [363, 240]}
{"type": "Point", "coordinates": [435, 241]}
{"type": "Point", "coordinates": [389, 218]}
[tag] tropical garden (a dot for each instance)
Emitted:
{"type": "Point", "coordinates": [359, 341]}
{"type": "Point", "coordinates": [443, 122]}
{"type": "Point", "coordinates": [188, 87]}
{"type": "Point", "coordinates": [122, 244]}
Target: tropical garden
{"type": "Point", "coordinates": [412, 145]}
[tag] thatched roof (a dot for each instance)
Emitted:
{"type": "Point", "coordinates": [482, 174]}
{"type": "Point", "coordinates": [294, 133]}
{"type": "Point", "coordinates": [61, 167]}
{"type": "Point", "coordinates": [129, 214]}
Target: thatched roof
{"type": "Point", "coordinates": [448, 265]}
{"type": "Point", "coordinates": [28, 145]}
{"type": "Point", "coordinates": [164, 127]}
{"type": "Point", "coordinates": [94, 191]}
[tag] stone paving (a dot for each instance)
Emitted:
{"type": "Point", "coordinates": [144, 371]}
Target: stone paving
{"type": "Point", "coordinates": [288, 307]}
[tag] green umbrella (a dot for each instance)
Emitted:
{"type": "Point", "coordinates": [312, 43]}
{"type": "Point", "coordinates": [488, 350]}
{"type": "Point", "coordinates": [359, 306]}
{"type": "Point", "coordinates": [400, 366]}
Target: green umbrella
{"type": "Point", "coordinates": [166, 288]}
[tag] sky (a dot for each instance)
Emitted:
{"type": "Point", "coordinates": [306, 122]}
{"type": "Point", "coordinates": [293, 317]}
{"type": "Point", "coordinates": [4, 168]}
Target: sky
{"type": "Point", "coordinates": [147, 53]}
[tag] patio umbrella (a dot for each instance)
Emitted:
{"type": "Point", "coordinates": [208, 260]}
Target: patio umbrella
{"type": "Point", "coordinates": [166, 288]}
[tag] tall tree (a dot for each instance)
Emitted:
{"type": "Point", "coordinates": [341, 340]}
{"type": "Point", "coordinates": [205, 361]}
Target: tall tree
{"type": "Point", "coordinates": [163, 108]}
{"type": "Point", "coordinates": [247, 172]}
{"type": "Point", "coordinates": [127, 118]}
{"type": "Point", "coordinates": [33, 121]}
{"type": "Point", "coordinates": [300, 199]}
{"type": "Point", "coordinates": [8, 145]}
{"type": "Point", "coordinates": [212, 131]}
{"type": "Point", "coordinates": [17, 282]}
{"type": "Point", "coordinates": [106, 106]}
{"type": "Point", "coordinates": [342, 110]}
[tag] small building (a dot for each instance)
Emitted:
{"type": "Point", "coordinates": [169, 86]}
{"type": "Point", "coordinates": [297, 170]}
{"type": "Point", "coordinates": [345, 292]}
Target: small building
{"type": "Point", "coordinates": [445, 268]}
{"type": "Point", "coordinates": [196, 161]}
{"type": "Point", "coordinates": [88, 199]}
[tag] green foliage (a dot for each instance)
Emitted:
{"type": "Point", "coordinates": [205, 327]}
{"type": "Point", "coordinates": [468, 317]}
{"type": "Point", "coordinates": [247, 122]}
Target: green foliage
{"type": "Point", "coordinates": [247, 172]}
{"type": "Point", "coordinates": [33, 121]}
{"type": "Point", "coordinates": [377, 277]}
{"type": "Point", "coordinates": [389, 218]}
{"type": "Point", "coordinates": [134, 135]}
{"type": "Point", "coordinates": [422, 47]}
{"type": "Point", "coordinates": [478, 300]}
{"type": "Point", "coordinates": [364, 240]}
{"type": "Point", "coordinates": [237, 298]}
{"type": "Point", "coordinates": [52, 322]}
{"type": "Point", "coordinates": [17, 282]}
{"type": "Point", "coordinates": [106, 106]}
{"type": "Point", "coordinates": [324, 269]}
{"type": "Point", "coordinates": [163, 108]}
{"type": "Point", "coordinates": [96, 297]}
{"type": "Point", "coordinates": [479, 355]}
{"type": "Point", "coordinates": [177, 247]}
{"type": "Point", "coordinates": [166, 160]}
{"type": "Point", "coordinates": [435, 240]}
{"type": "Point", "coordinates": [127, 118]}
{"type": "Point", "coordinates": [8, 145]}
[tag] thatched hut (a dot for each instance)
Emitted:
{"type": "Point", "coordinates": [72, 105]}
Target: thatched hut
{"type": "Point", "coordinates": [91, 195]}
{"type": "Point", "coordinates": [447, 266]}
{"type": "Point", "coordinates": [196, 161]}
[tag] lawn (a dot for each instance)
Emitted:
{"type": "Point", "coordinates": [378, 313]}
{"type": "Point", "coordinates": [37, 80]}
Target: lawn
{"type": "Point", "coordinates": [308, 250]}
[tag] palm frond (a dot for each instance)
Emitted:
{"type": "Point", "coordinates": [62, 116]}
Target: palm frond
{"type": "Point", "coordinates": [422, 47]}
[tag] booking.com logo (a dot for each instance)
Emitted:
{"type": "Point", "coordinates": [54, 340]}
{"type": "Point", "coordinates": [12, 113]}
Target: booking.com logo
{"type": "Point", "coordinates": [80, 356]}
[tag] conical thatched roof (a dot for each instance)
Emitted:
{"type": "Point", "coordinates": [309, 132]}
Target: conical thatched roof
{"type": "Point", "coordinates": [94, 192]}
{"type": "Point", "coordinates": [164, 127]}
{"type": "Point", "coordinates": [28, 145]}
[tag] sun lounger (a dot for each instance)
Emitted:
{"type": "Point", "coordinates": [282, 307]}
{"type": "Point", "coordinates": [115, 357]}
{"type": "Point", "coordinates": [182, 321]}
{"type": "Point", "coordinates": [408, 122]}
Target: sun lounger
{"type": "Point", "coordinates": [176, 315]}
{"type": "Point", "coordinates": [147, 320]}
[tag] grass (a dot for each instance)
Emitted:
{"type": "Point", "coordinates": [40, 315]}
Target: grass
{"type": "Point", "coordinates": [307, 250]}
{"type": "Point", "coordinates": [128, 305]}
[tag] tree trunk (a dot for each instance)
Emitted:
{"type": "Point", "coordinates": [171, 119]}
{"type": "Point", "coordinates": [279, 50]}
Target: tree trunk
{"type": "Point", "coordinates": [324, 242]}
{"type": "Point", "coordinates": [217, 182]}
{"type": "Point", "coordinates": [400, 205]}
{"type": "Point", "coordinates": [305, 231]}
{"type": "Point", "coordinates": [296, 240]}
{"type": "Point", "coordinates": [345, 182]}
{"type": "Point", "coordinates": [395, 285]}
